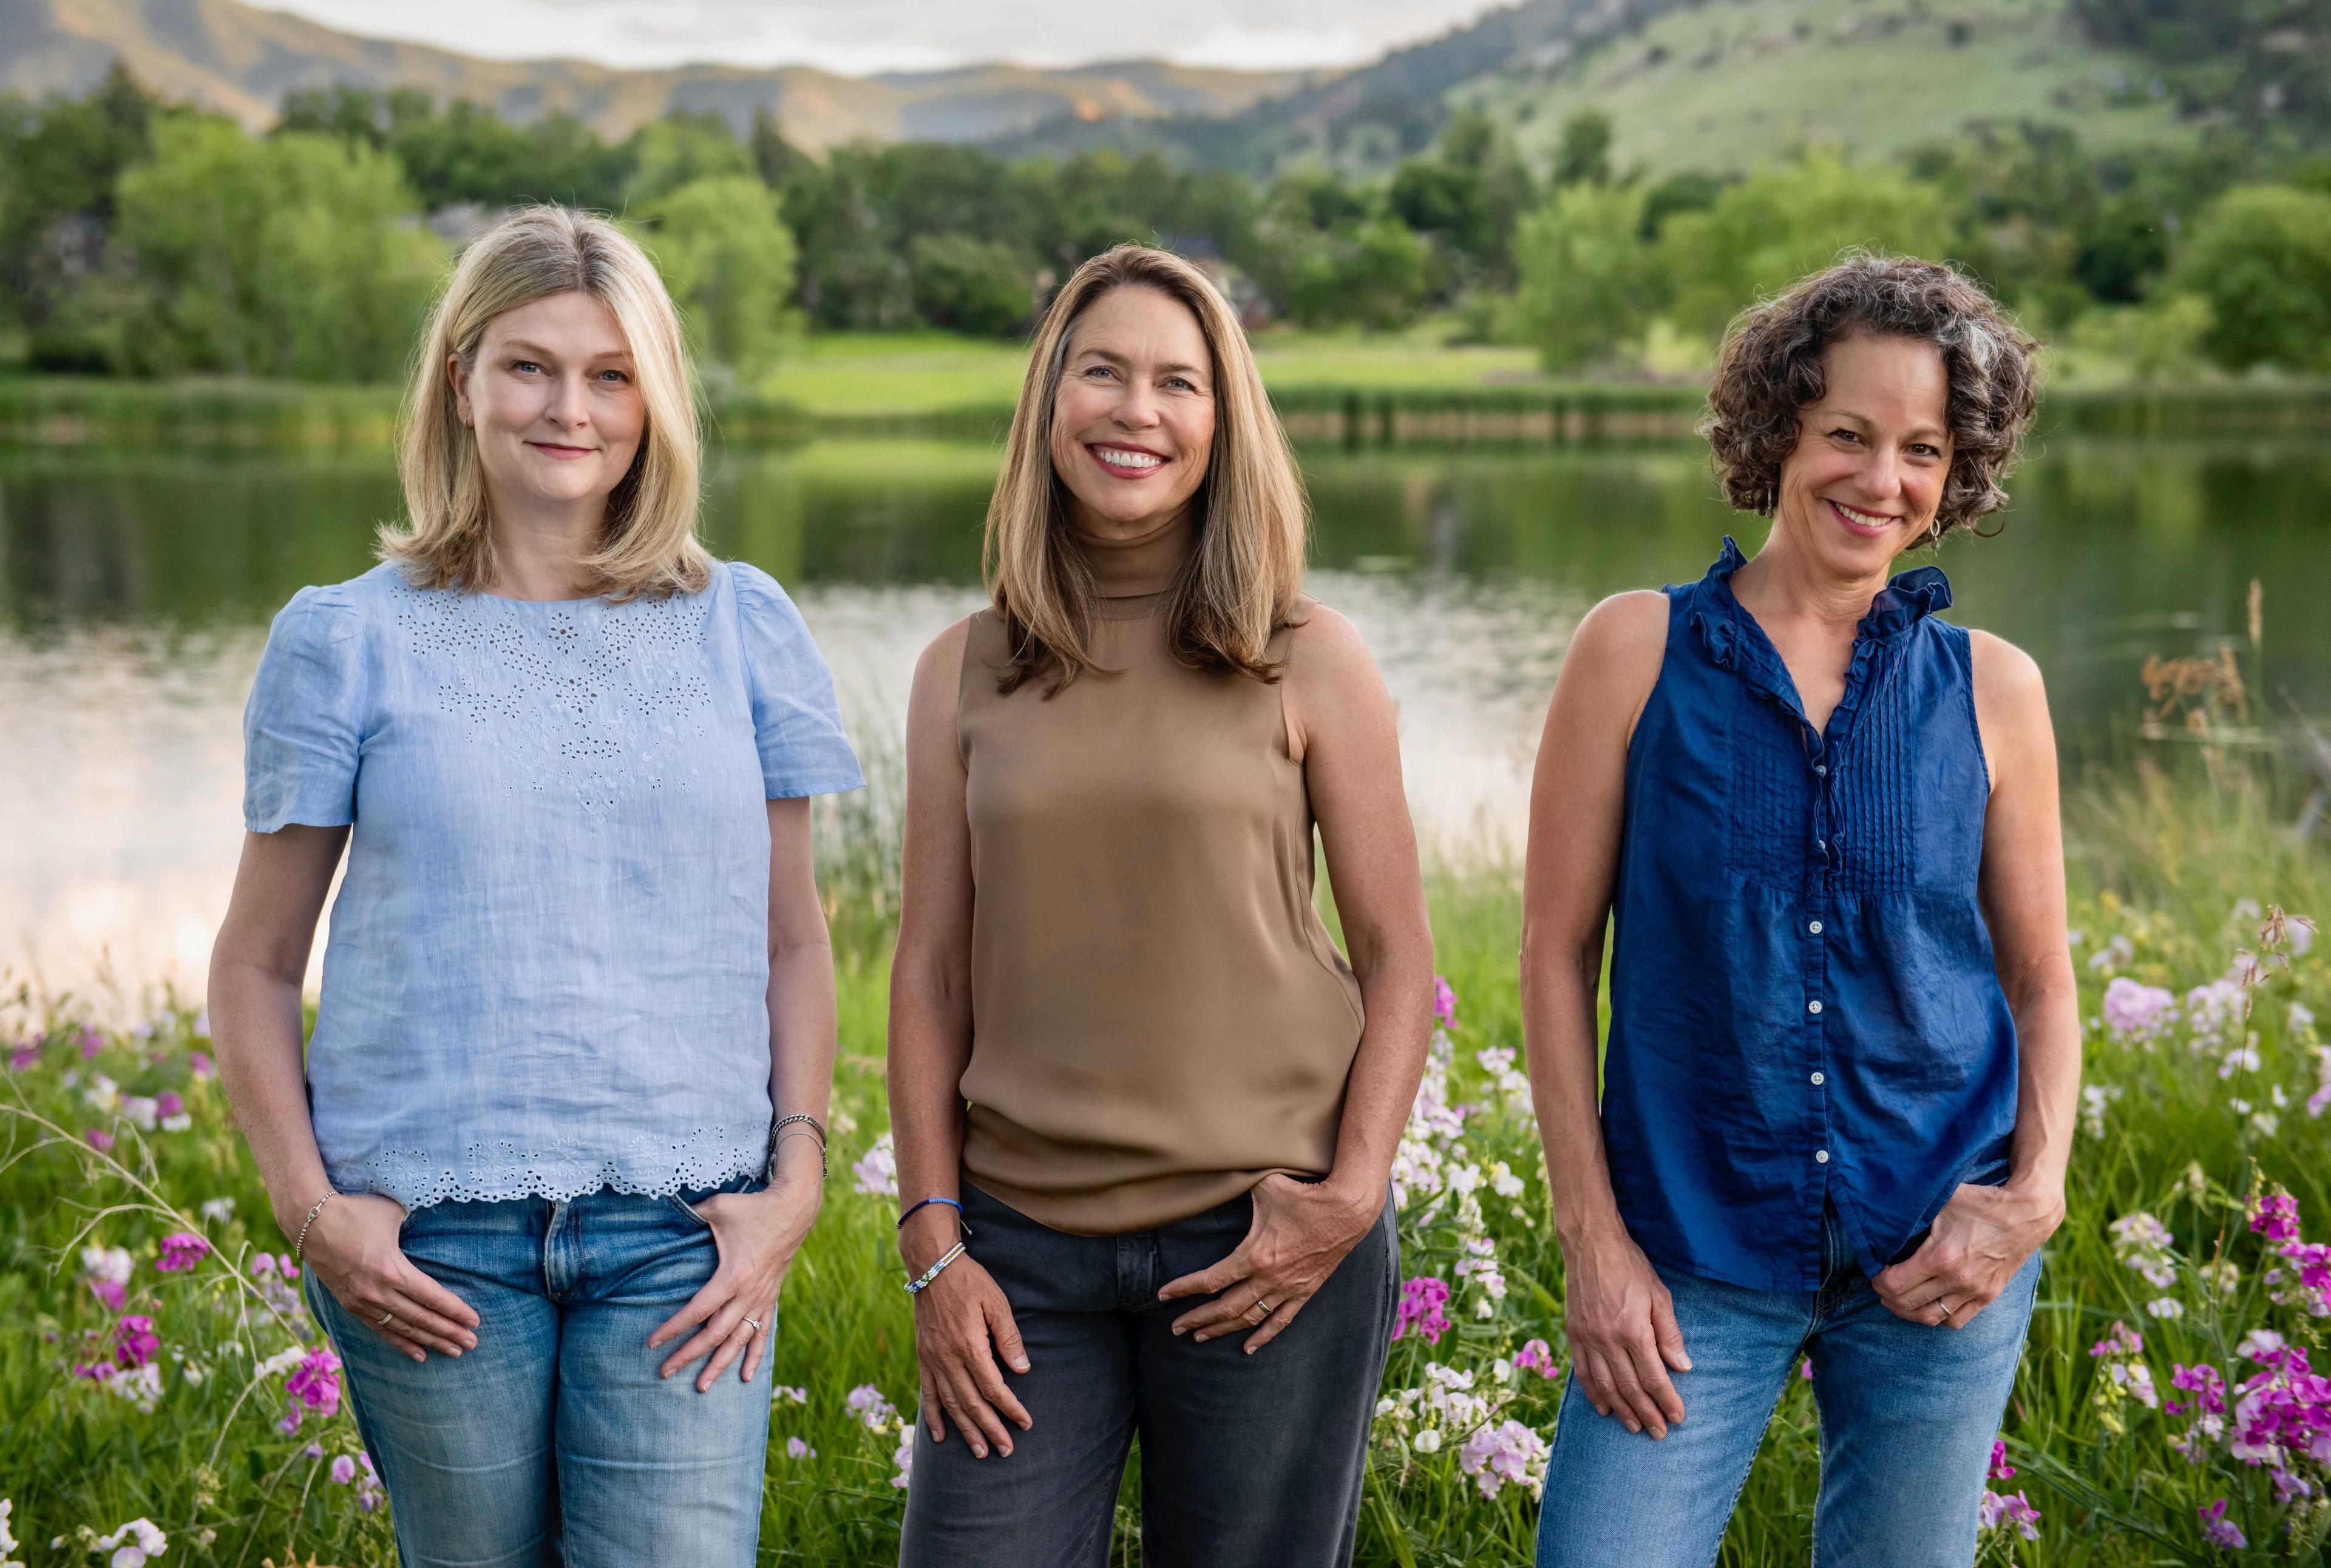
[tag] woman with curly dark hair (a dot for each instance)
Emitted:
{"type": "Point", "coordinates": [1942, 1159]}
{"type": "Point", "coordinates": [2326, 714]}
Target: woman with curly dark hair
{"type": "Point", "coordinates": [1843, 1057]}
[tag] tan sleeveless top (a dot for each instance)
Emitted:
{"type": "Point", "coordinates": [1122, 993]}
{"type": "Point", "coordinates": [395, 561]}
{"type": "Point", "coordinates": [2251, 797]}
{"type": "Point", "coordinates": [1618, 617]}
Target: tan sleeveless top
{"type": "Point", "coordinates": [1159, 1019]}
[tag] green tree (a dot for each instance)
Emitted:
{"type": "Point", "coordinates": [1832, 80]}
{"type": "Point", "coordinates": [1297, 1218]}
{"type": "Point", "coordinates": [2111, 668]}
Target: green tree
{"type": "Point", "coordinates": [2263, 259]}
{"type": "Point", "coordinates": [1583, 156]}
{"type": "Point", "coordinates": [298, 255]}
{"type": "Point", "coordinates": [1765, 232]}
{"type": "Point", "coordinates": [58, 169]}
{"type": "Point", "coordinates": [680, 149]}
{"type": "Point", "coordinates": [971, 286]}
{"type": "Point", "coordinates": [729, 264]}
{"type": "Point", "coordinates": [1374, 274]}
{"type": "Point", "coordinates": [1589, 283]}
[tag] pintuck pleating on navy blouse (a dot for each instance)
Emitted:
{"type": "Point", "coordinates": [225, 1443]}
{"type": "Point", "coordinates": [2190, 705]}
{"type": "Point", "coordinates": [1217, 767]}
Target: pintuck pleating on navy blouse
{"type": "Point", "coordinates": [1803, 1007]}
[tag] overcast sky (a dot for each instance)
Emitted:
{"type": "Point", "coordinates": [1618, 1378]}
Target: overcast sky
{"type": "Point", "coordinates": [861, 37]}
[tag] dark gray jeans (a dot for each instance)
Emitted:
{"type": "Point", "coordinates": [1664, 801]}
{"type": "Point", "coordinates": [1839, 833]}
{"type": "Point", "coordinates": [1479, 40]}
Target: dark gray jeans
{"type": "Point", "coordinates": [1247, 1461]}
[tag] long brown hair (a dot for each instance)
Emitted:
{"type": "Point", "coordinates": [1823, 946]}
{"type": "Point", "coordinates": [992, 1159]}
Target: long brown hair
{"type": "Point", "coordinates": [1240, 585]}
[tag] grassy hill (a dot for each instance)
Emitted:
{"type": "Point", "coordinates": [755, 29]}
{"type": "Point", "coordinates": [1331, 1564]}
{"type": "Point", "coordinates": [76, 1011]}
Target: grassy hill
{"type": "Point", "coordinates": [1705, 84]}
{"type": "Point", "coordinates": [1727, 86]}
{"type": "Point", "coordinates": [241, 60]}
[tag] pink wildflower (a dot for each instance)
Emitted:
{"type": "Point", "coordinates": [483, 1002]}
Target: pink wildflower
{"type": "Point", "coordinates": [2275, 1216]}
{"type": "Point", "coordinates": [316, 1381]}
{"type": "Point", "coordinates": [1806, 1369]}
{"type": "Point", "coordinates": [199, 1063]}
{"type": "Point", "coordinates": [2122, 1340]}
{"type": "Point", "coordinates": [1537, 1357]}
{"type": "Point", "coordinates": [2136, 1011]}
{"type": "Point", "coordinates": [1444, 1000]}
{"type": "Point", "coordinates": [2012, 1510]}
{"type": "Point", "coordinates": [181, 1250]}
{"type": "Point", "coordinates": [135, 1343]}
{"type": "Point", "coordinates": [91, 1042]}
{"type": "Point", "coordinates": [25, 1058]}
{"type": "Point", "coordinates": [1508, 1452]}
{"type": "Point", "coordinates": [2001, 1470]}
{"type": "Point", "coordinates": [101, 1140]}
{"type": "Point", "coordinates": [110, 1291]}
{"type": "Point", "coordinates": [1420, 1303]}
{"type": "Point", "coordinates": [169, 1103]}
{"type": "Point", "coordinates": [2219, 1531]}
{"type": "Point", "coordinates": [343, 1470]}
{"type": "Point", "coordinates": [2205, 1381]}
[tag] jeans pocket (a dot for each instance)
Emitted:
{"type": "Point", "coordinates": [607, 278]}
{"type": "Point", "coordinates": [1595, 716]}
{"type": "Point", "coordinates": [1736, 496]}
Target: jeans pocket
{"type": "Point", "coordinates": [684, 1207]}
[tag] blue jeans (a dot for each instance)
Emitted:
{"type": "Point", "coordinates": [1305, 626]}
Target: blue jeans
{"type": "Point", "coordinates": [555, 1441]}
{"type": "Point", "coordinates": [1908, 1415]}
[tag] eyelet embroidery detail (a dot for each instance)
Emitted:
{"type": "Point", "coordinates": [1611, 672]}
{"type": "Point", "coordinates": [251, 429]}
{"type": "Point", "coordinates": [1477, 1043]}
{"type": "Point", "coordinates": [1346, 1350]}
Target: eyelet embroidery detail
{"type": "Point", "coordinates": [601, 698]}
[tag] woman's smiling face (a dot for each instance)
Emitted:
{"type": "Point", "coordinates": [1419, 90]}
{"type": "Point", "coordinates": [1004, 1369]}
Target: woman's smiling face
{"type": "Point", "coordinates": [553, 400]}
{"type": "Point", "coordinates": [1872, 455]}
{"type": "Point", "coordinates": [1133, 419]}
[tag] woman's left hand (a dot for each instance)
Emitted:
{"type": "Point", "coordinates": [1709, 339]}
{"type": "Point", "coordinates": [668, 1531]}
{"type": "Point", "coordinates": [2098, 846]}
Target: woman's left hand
{"type": "Point", "coordinates": [1982, 1236]}
{"type": "Point", "coordinates": [757, 1234]}
{"type": "Point", "coordinates": [1301, 1230]}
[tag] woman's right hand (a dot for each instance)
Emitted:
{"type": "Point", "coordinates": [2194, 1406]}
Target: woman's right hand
{"type": "Point", "coordinates": [956, 1317]}
{"type": "Point", "coordinates": [1621, 1325]}
{"type": "Point", "coordinates": [352, 1247]}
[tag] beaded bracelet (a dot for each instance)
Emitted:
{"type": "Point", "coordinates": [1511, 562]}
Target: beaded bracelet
{"type": "Point", "coordinates": [916, 1287]}
{"type": "Point", "coordinates": [951, 1203]}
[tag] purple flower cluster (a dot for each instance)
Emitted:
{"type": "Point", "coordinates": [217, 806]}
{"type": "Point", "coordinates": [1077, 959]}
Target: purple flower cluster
{"type": "Point", "coordinates": [2012, 1511]}
{"type": "Point", "coordinates": [1444, 1000]}
{"type": "Point", "coordinates": [315, 1383]}
{"type": "Point", "coordinates": [181, 1250]}
{"type": "Point", "coordinates": [2218, 1530]}
{"type": "Point", "coordinates": [1537, 1357]}
{"type": "Point", "coordinates": [1423, 1301]}
{"type": "Point", "coordinates": [2137, 1012]}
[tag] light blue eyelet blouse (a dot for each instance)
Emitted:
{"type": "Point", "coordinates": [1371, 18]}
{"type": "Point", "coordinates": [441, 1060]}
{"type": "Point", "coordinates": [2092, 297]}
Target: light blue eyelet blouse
{"type": "Point", "coordinates": [547, 966]}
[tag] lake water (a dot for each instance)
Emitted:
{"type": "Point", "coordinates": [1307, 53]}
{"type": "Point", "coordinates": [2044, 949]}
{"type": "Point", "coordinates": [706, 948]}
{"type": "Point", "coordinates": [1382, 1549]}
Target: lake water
{"type": "Point", "coordinates": [135, 591]}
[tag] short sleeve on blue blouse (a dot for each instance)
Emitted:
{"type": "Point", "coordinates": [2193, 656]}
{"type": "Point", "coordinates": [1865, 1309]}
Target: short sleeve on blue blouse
{"type": "Point", "coordinates": [303, 724]}
{"type": "Point", "coordinates": [796, 722]}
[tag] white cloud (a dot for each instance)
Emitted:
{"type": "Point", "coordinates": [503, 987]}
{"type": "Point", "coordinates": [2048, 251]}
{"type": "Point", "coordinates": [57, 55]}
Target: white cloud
{"type": "Point", "coordinates": [878, 35]}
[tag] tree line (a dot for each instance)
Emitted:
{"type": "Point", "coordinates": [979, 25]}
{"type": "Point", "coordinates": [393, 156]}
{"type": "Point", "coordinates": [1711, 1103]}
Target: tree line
{"type": "Point", "coordinates": [139, 237]}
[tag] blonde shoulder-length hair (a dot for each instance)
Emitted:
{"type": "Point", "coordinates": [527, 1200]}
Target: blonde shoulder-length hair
{"type": "Point", "coordinates": [649, 546]}
{"type": "Point", "coordinates": [1240, 585]}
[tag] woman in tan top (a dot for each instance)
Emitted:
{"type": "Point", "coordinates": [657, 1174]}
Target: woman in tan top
{"type": "Point", "coordinates": [1145, 1110]}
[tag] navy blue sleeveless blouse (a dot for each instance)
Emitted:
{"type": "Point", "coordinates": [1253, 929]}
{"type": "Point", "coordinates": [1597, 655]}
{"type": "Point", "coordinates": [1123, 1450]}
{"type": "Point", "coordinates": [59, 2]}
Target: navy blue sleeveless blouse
{"type": "Point", "coordinates": [1803, 1007]}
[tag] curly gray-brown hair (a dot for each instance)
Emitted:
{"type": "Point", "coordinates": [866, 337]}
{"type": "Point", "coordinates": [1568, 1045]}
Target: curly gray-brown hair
{"type": "Point", "coordinates": [1771, 368]}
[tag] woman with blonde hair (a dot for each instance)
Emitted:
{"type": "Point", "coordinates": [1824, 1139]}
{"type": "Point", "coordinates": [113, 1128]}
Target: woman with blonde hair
{"type": "Point", "coordinates": [1144, 1111]}
{"type": "Point", "coordinates": [558, 1132]}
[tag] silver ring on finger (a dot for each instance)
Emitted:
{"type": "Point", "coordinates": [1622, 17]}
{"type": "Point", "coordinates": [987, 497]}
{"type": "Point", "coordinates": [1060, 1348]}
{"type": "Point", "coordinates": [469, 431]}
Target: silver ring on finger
{"type": "Point", "coordinates": [752, 1323]}
{"type": "Point", "coordinates": [386, 1319]}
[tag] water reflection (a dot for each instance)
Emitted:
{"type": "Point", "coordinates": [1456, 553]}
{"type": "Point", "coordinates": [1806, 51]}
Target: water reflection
{"type": "Point", "coordinates": [135, 591]}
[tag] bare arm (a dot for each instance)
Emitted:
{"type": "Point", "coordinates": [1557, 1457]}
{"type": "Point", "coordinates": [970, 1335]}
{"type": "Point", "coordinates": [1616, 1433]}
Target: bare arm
{"type": "Point", "coordinates": [1617, 1314]}
{"type": "Point", "coordinates": [1984, 1235]}
{"type": "Point", "coordinates": [257, 968]}
{"type": "Point", "coordinates": [1342, 726]}
{"type": "Point", "coordinates": [963, 1324]}
{"type": "Point", "coordinates": [758, 1233]}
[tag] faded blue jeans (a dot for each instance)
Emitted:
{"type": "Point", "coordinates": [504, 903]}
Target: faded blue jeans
{"type": "Point", "coordinates": [553, 1441]}
{"type": "Point", "coordinates": [1908, 1415]}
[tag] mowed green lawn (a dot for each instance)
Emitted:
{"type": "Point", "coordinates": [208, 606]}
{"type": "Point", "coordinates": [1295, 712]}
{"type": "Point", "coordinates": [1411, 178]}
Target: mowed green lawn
{"type": "Point", "coordinates": [872, 375]}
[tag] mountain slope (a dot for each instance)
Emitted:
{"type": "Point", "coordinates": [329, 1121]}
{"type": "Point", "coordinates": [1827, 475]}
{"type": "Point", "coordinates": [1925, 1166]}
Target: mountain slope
{"type": "Point", "coordinates": [1705, 84]}
{"type": "Point", "coordinates": [241, 60]}
{"type": "Point", "coordinates": [1726, 86]}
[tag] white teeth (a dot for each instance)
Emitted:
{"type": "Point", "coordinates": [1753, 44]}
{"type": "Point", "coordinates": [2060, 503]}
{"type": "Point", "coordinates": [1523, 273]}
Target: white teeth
{"type": "Point", "coordinates": [1118, 457]}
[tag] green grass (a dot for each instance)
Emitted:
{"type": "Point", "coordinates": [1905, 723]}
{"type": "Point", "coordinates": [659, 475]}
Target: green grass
{"type": "Point", "coordinates": [2161, 857]}
{"type": "Point", "coordinates": [1729, 86]}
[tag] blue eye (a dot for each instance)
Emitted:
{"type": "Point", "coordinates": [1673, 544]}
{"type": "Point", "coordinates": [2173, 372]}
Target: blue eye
{"type": "Point", "coordinates": [524, 364]}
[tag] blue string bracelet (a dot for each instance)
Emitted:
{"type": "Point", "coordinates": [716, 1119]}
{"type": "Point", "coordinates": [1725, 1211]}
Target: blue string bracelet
{"type": "Point", "coordinates": [951, 1203]}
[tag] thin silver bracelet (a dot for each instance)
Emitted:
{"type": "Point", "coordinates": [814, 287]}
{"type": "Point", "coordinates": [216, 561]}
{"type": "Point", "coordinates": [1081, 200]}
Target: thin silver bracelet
{"type": "Point", "coordinates": [777, 1134]}
{"type": "Point", "coordinates": [300, 1243]}
{"type": "Point", "coordinates": [916, 1287]}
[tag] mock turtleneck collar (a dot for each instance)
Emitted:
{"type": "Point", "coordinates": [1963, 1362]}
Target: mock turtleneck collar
{"type": "Point", "coordinates": [1144, 565]}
